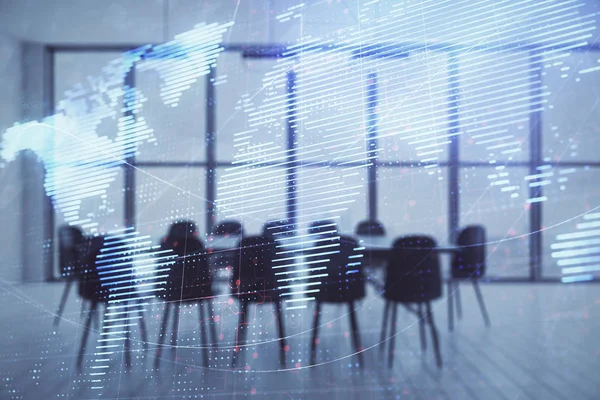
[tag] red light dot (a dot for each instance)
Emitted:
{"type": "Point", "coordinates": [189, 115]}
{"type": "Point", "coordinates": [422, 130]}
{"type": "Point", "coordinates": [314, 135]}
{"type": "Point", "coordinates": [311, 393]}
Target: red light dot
{"type": "Point", "coordinates": [255, 355]}
{"type": "Point", "coordinates": [216, 318]}
{"type": "Point", "coordinates": [286, 348]}
{"type": "Point", "coordinates": [298, 365]}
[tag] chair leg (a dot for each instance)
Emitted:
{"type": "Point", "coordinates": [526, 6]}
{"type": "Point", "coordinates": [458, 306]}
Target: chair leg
{"type": "Point", "coordinates": [458, 300]}
{"type": "Point", "coordinates": [386, 312]}
{"type": "Point", "coordinates": [392, 335]}
{"type": "Point", "coordinates": [127, 347]}
{"type": "Point", "coordinates": [203, 333]}
{"type": "Point", "coordinates": [163, 333]}
{"type": "Point", "coordinates": [450, 301]}
{"type": "Point", "coordinates": [356, 335]}
{"type": "Point", "coordinates": [176, 313]}
{"type": "Point", "coordinates": [422, 335]}
{"type": "Point", "coordinates": [281, 333]}
{"type": "Point", "coordinates": [434, 336]}
{"type": "Point", "coordinates": [315, 334]}
{"type": "Point", "coordinates": [486, 318]}
{"type": "Point", "coordinates": [143, 330]}
{"type": "Point", "coordinates": [63, 301]}
{"type": "Point", "coordinates": [213, 328]}
{"type": "Point", "coordinates": [86, 333]}
{"type": "Point", "coordinates": [241, 332]}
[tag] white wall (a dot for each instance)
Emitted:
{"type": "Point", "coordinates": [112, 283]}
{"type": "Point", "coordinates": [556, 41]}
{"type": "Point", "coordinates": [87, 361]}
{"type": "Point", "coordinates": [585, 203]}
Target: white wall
{"type": "Point", "coordinates": [10, 190]}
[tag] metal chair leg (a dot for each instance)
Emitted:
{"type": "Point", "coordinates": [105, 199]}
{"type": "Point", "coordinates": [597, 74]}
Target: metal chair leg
{"type": "Point", "coordinates": [281, 333]}
{"type": "Point", "coordinates": [422, 335]}
{"type": "Point", "coordinates": [86, 333]}
{"type": "Point", "coordinates": [213, 328]}
{"type": "Point", "coordinates": [356, 335]}
{"type": "Point", "coordinates": [241, 332]}
{"type": "Point", "coordinates": [63, 301]}
{"type": "Point", "coordinates": [163, 333]}
{"type": "Point", "coordinates": [486, 318]}
{"type": "Point", "coordinates": [434, 336]}
{"type": "Point", "coordinates": [450, 306]}
{"type": "Point", "coordinates": [315, 334]}
{"type": "Point", "coordinates": [203, 333]}
{"type": "Point", "coordinates": [143, 330]}
{"type": "Point", "coordinates": [392, 335]}
{"type": "Point", "coordinates": [386, 311]}
{"type": "Point", "coordinates": [458, 300]}
{"type": "Point", "coordinates": [176, 314]}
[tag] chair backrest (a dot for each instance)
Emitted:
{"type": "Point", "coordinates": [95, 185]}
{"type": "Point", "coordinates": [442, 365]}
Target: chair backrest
{"type": "Point", "coordinates": [229, 228]}
{"type": "Point", "coordinates": [90, 286]}
{"type": "Point", "coordinates": [370, 228]}
{"type": "Point", "coordinates": [323, 228]}
{"type": "Point", "coordinates": [278, 229]}
{"type": "Point", "coordinates": [342, 260]}
{"type": "Point", "coordinates": [413, 270]}
{"type": "Point", "coordinates": [253, 277]}
{"type": "Point", "coordinates": [189, 277]}
{"type": "Point", "coordinates": [71, 254]}
{"type": "Point", "coordinates": [183, 229]}
{"type": "Point", "coordinates": [469, 260]}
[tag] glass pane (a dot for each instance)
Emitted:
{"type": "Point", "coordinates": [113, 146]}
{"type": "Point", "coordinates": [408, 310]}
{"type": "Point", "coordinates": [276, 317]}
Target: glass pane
{"type": "Point", "coordinates": [251, 195]}
{"type": "Point", "coordinates": [78, 70]}
{"type": "Point", "coordinates": [177, 118]}
{"type": "Point", "coordinates": [331, 105]}
{"type": "Point", "coordinates": [414, 201]}
{"type": "Point", "coordinates": [571, 120]}
{"type": "Point", "coordinates": [413, 107]}
{"type": "Point", "coordinates": [497, 199]}
{"type": "Point", "coordinates": [494, 106]}
{"type": "Point", "coordinates": [571, 219]}
{"type": "Point", "coordinates": [338, 194]}
{"type": "Point", "coordinates": [251, 105]}
{"type": "Point", "coordinates": [165, 195]}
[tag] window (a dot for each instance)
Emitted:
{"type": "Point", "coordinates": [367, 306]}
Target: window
{"type": "Point", "coordinates": [497, 199]}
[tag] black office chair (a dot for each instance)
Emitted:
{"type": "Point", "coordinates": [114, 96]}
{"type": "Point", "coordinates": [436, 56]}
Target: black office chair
{"type": "Point", "coordinates": [369, 228]}
{"type": "Point", "coordinates": [253, 281]}
{"type": "Point", "coordinates": [344, 283]}
{"type": "Point", "coordinates": [98, 282]}
{"type": "Point", "coordinates": [468, 264]}
{"type": "Point", "coordinates": [71, 257]}
{"type": "Point", "coordinates": [227, 227]}
{"type": "Point", "coordinates": [412, 277]}
{"type": "Point", "coordinates": [189, 280]}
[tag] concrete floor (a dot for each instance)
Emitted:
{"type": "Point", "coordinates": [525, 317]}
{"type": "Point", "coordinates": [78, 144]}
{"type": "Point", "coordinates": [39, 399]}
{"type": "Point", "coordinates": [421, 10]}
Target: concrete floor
{"type": "Point", "coordinates": [542, 345]}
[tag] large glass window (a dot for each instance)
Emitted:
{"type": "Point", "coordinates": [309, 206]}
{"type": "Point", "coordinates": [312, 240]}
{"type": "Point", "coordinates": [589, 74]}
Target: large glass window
{"type": "Point", "coordinates": [165, 195]}
{"type": "Point", "coordinates": [497, 199]}
{"type": "Point", "coordinates": [332, 119]}
{"type": "Point", "coordinates": [572, 116]}
{"type": "Point", "coordinates": [176, 116]}
{"type": "Point", "coordinates": [413, 201]}
{"type": "Point", "coordinates": [571, 215]}
{"type": "Point", "coordinates": [494, 105]}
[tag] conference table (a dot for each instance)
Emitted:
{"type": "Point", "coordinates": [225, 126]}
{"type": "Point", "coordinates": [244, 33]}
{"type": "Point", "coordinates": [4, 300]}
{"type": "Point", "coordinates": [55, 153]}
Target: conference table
{"type": "Point", "coordinates": [376, 249]}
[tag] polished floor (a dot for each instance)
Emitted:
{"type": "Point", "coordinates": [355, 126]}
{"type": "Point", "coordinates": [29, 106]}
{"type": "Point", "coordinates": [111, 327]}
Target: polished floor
{"type": "Point", "coordinates": [543, 344]}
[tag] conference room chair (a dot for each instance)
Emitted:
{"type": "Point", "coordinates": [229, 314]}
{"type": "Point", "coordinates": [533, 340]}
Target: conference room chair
{"type": "Point", "coordinates": [468, 264]}
{"type": "Point", "coordinates": [413, 279]}
{"type": "Point", "coordinates": [97, 292]}
{"type": "Point", "coordinates": [222, 246]}
{"type": "Point", "coordinates": [372, 235]}
{"type": "Point", "coordinates": [188, 281]}
{"type": "Point", "coordinates": [254, 281]}
{"type": "Point", "coordinates": [369, 228]}
{"type": "Point", "coordinates": [71, 257]}
{"type": "Point", "coordinates": [229, 228]}
{"type": "Point", "coordinates": [341, 261]}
